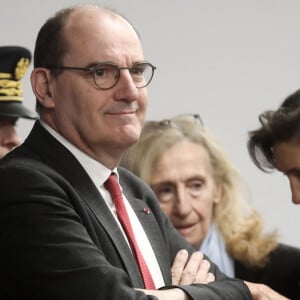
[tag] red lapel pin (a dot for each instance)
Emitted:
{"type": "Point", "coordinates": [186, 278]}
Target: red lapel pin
{"type": "Point", "coordinates": [147, 210]}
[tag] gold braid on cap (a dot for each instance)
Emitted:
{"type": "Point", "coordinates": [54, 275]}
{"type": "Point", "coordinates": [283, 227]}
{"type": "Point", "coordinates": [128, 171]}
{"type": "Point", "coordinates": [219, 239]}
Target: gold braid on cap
{"type": "Point", "coordinates": [11, 90]}
{"type": "Point", "coordinates": [21, 68]}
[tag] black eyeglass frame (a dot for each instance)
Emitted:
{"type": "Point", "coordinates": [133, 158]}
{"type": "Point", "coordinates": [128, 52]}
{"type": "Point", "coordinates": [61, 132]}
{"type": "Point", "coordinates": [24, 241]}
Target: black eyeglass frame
{"type": "Point", "coordinates": [94, 70]}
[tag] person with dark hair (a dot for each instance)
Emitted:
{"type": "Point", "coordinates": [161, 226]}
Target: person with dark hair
{"type": "Point", "coordinates": [75, 225]}
{"type": "Point", "coordinates": [276, 143]}
{"type": "Point", "coordinates": [14, 61]}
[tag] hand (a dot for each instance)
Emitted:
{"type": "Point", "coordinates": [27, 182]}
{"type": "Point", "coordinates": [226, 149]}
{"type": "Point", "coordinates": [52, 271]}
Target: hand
{"type": "Point", "coordinates": [187, 270]}
{"type": "Point", "coordinates": [263, 292]}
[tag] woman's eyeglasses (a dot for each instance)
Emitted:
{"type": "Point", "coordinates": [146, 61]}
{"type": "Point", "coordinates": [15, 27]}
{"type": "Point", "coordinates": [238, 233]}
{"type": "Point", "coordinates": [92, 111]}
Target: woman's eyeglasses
{"type": "Point", "coordinates": [194, 118]}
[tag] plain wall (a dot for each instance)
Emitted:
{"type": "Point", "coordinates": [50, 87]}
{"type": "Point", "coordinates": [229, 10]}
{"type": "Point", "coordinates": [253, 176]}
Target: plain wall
{"type": "Point", "coordinates": [226, 60]}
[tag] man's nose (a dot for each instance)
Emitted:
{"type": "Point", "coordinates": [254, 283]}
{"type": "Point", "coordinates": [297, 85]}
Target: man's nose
{"type": "Point", "coordinates": [126, 87]}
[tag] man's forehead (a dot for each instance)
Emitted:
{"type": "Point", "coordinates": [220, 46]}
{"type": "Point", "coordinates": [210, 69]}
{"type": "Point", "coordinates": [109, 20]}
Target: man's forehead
{"type": "Point", "coordinates": [94, 38]}
{"type": "Point", "coordinates": [92, 14]}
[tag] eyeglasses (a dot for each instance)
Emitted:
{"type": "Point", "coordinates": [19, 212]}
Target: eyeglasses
{"type": "Point", "coordinates": [183, 122]}
{"type": "Point", "coordinates": [192, 118]}
{"type": "Point", "coordinates": [107, 75]}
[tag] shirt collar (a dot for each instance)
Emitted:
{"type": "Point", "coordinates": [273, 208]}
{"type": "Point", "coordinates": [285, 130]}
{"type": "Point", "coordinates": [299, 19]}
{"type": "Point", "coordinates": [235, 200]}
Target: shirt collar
{"type": "Point", "coordinates": [97, 171]}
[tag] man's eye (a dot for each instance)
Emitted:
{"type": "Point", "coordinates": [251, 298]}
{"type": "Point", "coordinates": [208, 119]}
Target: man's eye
{"type": "Point", "coordinates": [100, 71]}
{"type": "Point", "coordinates": [137, 70]}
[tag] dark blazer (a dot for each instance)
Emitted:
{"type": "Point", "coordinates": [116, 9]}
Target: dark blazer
{"type": "Point", "coordinates": [282, 272]}
{"type": "Point", "coordinates": [58, 239]}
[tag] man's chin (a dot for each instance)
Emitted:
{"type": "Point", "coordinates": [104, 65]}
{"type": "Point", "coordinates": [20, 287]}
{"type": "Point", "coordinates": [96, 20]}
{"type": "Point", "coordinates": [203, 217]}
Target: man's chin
{"type": "Point", "coordinates": [131, 136]}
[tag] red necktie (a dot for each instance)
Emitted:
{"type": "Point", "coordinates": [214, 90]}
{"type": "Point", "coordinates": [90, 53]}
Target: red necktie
{"type": "Point", "coordinates": [113, 187]}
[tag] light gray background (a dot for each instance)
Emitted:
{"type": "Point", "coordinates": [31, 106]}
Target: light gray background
{"type": "Point", "coordinates": [226, 60]}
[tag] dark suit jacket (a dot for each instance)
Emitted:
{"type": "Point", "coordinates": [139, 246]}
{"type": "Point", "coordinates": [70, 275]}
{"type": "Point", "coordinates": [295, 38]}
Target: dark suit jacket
{"type": "Point", "coordinates": [282, 272]}
{"type": "Point", "coordinates": [58, 239]}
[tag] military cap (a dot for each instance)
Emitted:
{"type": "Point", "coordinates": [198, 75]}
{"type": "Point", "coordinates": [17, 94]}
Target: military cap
{"type": "Point", "coordinates": [14, 61]}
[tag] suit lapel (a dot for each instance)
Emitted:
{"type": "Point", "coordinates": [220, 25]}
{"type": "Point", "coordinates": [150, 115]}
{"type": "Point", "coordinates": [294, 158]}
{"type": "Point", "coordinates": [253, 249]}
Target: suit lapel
{"type": "Point", "coordinates": [98, 206]}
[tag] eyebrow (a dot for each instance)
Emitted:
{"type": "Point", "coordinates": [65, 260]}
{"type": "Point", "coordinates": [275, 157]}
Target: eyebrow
{"type": "Point", "coordinates": [96, 63]}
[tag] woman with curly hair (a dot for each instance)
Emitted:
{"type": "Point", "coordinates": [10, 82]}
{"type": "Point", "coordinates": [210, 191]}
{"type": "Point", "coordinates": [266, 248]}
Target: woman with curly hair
{"type": "Point", "coordinates": [204, 196]}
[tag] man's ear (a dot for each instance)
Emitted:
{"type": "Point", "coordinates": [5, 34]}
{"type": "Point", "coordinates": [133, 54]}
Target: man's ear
{"type": "Point", "coordinates": [40, 82]}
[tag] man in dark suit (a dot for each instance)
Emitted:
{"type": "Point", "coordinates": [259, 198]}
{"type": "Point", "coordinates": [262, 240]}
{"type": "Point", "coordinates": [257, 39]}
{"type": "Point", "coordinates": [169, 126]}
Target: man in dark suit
{"type": "Point", "coordinates": [14, 61]}
{"type": "Point", "coordinates": [62, 234]}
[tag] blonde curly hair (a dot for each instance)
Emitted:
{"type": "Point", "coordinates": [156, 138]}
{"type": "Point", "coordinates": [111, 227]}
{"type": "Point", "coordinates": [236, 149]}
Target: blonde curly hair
{"type": "Point", "coordinates": [241, 226]}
